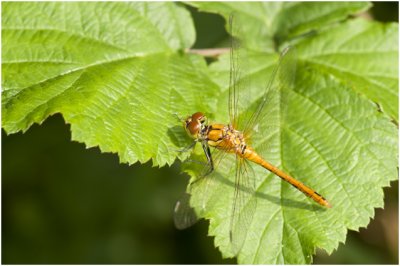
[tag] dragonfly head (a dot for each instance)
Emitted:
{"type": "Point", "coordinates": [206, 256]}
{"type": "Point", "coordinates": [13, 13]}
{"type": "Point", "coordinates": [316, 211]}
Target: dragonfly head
{"type": "Point", "coordinates": [194, 123]}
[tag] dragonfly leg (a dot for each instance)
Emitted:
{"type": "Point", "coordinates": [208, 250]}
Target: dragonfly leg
{"type": "Point", "coordinates": [210, 162]}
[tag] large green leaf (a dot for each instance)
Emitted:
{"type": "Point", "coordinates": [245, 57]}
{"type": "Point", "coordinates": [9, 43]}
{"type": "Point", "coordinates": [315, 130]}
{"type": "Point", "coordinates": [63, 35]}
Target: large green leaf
{"type": "Point", "coordinates": [363, 55]}
{"type": "Point", "coordinates": [333, 138]}
{"type": "Point", "coordinates": [112, 69]}
{"type": "Point", "coordinates": [118, 73]}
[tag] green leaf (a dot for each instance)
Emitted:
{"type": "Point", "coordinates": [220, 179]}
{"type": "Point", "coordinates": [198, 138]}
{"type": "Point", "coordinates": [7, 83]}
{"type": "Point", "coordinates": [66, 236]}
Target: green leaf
{"type": "Point", "coordinates": [118, 73]}
{"type": "Point", "coordinates": [334, 141]}
{"type": "Point", "coordinates": [112, 69]}
{"type": "Point", "coordinates": [362, 54]}
{"type": "Point", "coordinates": [333, 138]}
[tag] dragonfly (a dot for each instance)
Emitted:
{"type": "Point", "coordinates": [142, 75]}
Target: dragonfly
{"type": "Point", "coordinates": [219, 140]}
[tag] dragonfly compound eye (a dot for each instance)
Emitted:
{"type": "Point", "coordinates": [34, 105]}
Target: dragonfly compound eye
{"type": "Point", "coordinates": [192, 127]}
{"type": "Point", "coordinates": [199, 116]}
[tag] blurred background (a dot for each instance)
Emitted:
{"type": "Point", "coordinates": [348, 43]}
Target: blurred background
{"type": "Point", "coordinates": [63, 203]}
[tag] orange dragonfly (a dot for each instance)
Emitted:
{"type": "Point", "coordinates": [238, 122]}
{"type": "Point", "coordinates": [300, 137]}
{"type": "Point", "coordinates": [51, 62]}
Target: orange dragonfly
{"type": "Point", "coordinates": [217, 140]}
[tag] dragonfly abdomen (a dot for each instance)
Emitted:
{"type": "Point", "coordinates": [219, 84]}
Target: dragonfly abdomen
{"type": "Point", "coordinates": [251, 155]}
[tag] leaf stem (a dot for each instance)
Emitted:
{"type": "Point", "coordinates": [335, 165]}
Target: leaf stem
{"type": "Point", "coordinates": [214, 52]}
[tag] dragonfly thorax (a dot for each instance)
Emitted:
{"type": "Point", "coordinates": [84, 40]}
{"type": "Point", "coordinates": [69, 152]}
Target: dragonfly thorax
{"type": "Point", "coordinates": [225, 137]}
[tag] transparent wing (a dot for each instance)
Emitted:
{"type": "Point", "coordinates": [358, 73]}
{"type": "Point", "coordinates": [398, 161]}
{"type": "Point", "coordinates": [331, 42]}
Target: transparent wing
{"type": "Point", "coordinates": [249, 107]}
{"type": "Point", "coordinates": [244, 204]}
{"type": "Point", "coordinates": [238, 62]}
{"type": "Point", "coordinates": [250, 103]}
{"type": "Point", "coordinates": [184, 215]}
{"type": "Point", "coordinates": [240, 95]}
{"type": "Point", "coordinates": [204, 185]}
{"type": "Point", "coordinates": [273, 100]}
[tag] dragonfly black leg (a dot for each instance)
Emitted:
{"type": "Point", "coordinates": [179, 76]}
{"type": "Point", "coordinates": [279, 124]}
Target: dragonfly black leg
{"type": "Point", "coordinates": [210, 162]}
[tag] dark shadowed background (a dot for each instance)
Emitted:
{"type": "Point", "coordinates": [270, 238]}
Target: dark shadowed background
{"type": "Point", "coordinates": [63, 203]}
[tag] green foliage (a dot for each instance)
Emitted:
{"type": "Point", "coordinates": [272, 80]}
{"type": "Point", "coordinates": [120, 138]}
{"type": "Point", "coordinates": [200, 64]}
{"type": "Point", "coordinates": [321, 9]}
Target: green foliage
{"type": "Point", "coordinates": [113, 70]}
{"type": "Point", "coordinates": [118, 72]}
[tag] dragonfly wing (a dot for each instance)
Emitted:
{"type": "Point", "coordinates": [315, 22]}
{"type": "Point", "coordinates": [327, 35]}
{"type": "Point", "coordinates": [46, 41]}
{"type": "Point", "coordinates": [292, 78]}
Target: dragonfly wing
{"type": "Point", "coordinates": [203, 186]}
{"type": "Point", "coordinates": [205, 182]}
{"type": "Point", "coordinates": [272, 104]}
{"type": "Point", "coordinates": [239, 85]}
{"type": "Point", "coordinates": [184, 215]}
{"type": "Point", "coordinates": [244, 204]}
